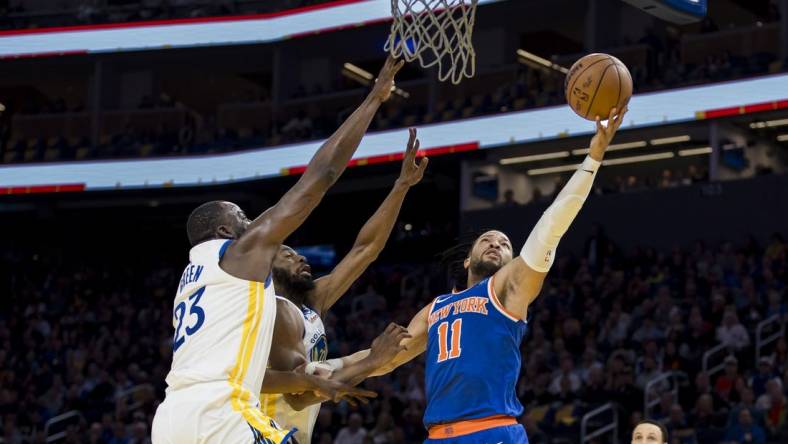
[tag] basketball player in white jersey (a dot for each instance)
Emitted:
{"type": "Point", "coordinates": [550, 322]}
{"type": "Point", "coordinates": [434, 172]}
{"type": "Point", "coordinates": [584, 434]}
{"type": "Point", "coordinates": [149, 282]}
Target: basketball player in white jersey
{"type": "Point", "coordinates": [299, 334]}
{"type": "Point", "coordinates": [225, 306]}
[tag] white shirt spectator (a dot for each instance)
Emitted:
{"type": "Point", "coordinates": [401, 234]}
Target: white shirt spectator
{"type": "Point", "coordinates": [354, 433]}
{"type": "Point", "coordinates": [732, 333]}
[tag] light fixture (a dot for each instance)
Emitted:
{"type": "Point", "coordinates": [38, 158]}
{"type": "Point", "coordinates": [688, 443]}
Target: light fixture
{"type": "Point", "coordinates": [636, 159]}
{"type": "Point", "coordinates": [769, 123]}
{"type": "Point", "coordinates": [667, 140]}
{"type": "Point", "coordinates": [534, 158]}
{"type": "Point", "coordinates": [532, 59]}
{"type": "Point", "coordinates": [695, 151]}
{"type": "Point", "coordinates": [782, 138]}
{"type": "Point", "coordinates": [615, 147]}
{"type": "Point", "coordinates": [366, 78]}
{"type": "Point", "coordinates": [550, 170]}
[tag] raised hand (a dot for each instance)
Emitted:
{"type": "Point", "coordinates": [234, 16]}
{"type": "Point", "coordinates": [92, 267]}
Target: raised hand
{"type": "Point", "coordinates": [384, 84]}
{"type": "Point", "coordinates": [412, 171]}
{"type": "Point", "coordinates": [604, 134]}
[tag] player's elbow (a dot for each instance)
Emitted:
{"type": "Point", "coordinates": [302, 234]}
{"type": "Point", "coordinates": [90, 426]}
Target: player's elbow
{"type": "Point", "coordinates": [295, 402]}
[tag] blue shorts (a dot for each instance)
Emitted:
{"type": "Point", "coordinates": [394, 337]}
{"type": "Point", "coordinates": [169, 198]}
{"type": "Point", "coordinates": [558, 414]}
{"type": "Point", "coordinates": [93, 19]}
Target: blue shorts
{"type": "Point", "coordinates": [511, 434]}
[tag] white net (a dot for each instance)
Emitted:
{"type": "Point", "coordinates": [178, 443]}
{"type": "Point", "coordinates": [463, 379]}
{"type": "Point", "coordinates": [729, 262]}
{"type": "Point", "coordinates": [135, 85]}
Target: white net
{"type": "Point", "coordinates": [435, 32]}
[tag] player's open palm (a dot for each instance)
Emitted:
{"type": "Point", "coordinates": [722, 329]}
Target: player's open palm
{"type": "Point", "coordinates": [412, 171]}
{"type": "Point", "coordinates": [604, 134]}
{"type": "Point", "coordinates": [384, 84]}
{"type": "Point", "coordinates": [386, 346]}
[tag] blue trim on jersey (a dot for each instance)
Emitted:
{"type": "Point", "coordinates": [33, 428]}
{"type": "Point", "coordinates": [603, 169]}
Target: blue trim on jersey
{"type": "Point", "coordinates": [268, 280]}
{"type": "Point", "coordinates": [223, 248]}
{"type": "Point", "coordinates": [289, 435]}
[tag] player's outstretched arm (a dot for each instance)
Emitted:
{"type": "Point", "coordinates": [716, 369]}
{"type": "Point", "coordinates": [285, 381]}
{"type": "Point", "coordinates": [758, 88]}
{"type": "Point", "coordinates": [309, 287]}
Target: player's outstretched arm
{"type": "Point", "coordinates": [373, 235]}
{"type": "Point", "coordinates": [288, 359]}
{"type": "Point", "coordinates": [413, 346]}
{"type": "Point", "coordinates": [275, 224]}
{"type": "Point", "coordinates": [384, 348]}
{"type": "Point", "coordinates": [519, 282]}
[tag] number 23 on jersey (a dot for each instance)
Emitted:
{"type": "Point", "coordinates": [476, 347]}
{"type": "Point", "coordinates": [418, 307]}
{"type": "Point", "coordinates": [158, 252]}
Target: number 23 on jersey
{"type": "Point", "coordinates": [444, 351]}
{"type": "Point", "coordinates": [180, 313]}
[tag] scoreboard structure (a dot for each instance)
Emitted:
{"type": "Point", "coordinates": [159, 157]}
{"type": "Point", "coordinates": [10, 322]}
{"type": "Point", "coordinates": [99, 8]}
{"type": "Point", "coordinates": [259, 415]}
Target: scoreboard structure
{"type": "Point", "coordinates": [680, 12]}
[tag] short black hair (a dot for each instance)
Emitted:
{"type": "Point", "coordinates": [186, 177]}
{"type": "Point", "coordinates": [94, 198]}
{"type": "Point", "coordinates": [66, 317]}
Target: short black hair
{"type": "Point", "coordinates": [202, 222]}
{"type": "Point", "coordinates": [661, 426]}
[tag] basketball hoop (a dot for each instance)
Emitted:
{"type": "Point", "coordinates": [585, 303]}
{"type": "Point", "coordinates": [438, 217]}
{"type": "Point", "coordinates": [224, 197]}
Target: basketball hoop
{"type": "Point", "coordinates": [435, 32]}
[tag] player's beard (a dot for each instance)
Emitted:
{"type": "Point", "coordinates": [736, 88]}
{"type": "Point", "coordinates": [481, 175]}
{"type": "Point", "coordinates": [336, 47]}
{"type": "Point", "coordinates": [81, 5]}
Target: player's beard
{"type": "Point", "coordinates": [484, 269]}
{"type": "Point", "coordinates": [292, 286]}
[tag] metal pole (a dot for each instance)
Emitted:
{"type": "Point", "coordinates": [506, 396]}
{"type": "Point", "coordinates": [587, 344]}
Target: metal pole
{"type": "Point", "coordinates": [783, 5]}
{"type": "Point", "coordinates": [714, 158]}
{"type": "Point", "coordinates": [95, 103]}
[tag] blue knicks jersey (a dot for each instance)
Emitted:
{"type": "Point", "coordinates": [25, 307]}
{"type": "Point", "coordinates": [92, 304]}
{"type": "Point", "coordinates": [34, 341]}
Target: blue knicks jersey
{"type": "Point", "coordinates": [473, 357]}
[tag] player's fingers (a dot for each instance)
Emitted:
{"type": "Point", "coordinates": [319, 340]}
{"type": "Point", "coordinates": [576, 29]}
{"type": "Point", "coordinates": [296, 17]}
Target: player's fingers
{"type": "Point", "coordinates": [417, 144]}
{"type": "Point", "coordinates": [423, 165]}
{"type": "Point", "coordinates": [613, 113]}
{"type": "Point", "coordinates": [599, 126]}
{"type": "Point", "coordinates": [398, 66]}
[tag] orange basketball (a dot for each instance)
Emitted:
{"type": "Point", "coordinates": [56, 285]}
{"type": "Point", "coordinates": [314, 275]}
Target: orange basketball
{"type": "Point", "coordinates": [596, 83]}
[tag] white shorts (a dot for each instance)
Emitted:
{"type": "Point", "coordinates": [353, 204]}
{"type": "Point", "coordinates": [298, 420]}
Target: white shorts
{"type": "Point", "coordinates": [192, 416]}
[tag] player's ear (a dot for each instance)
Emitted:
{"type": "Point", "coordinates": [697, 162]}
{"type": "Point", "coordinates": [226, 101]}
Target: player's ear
{"type": "Point", "coordinates": [224, 232]}
{"type": "Point", "coordinates": [466, 263]}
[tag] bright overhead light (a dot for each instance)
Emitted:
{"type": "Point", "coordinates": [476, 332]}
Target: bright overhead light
{"type": "Point", "coordinates": [619, 161]}
{"type": "Point", "coordinates": [366, 78]}
{"type": "Point", "coordinates": [529, 58]}
{"type": "Point", "coordinates": [667, 140]}
{"type": "Point", "coordinates": [534, 158]}
{"type": "Point", "coordinates": [769, 123]}
{"type": "Point", "coordinates": [695, 151]}
{"type": "Point", "coordinates": [356, 71]}
{"type": "Point", "coordinates": [636, 159]}
{"type": "Point", "coordinates": [782, 138]}
{"type": "Point", "coordinates": [550, 170]}
{"type": "Point", "coordinates": [615, 147]}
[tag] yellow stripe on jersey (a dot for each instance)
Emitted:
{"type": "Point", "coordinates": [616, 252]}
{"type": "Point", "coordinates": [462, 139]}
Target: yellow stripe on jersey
{"type": "Point", "coordinates": [240, 396]}
{"type": "Point", "coordinates": [269, 406]}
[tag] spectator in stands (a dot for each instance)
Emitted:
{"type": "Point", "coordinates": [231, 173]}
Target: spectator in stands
{"type": "Point", "coordinates": [774, 405]}
{"type": "Point", "coordinates": [764, 374]}
{"type": "Point", "coordinates": [566, 375]}
{"type": "Point", "coordinates": [508, 199]}
{"type": "Point", "coordinates": [725, 383]}
{"type": "Point", "coordinates": [744, 431]}
{"type": "Point", "coordinates": [353, 433]}
{"type": "Point", "coordinates": [708, 423]}
{"type": "Point", "coordinates": [731, 332]}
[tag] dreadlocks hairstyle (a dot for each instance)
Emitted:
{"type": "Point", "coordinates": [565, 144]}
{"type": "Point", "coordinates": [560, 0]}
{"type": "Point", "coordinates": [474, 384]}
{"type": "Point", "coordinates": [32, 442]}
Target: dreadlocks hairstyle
{"type": "Point", "coordinates": [454, 258]}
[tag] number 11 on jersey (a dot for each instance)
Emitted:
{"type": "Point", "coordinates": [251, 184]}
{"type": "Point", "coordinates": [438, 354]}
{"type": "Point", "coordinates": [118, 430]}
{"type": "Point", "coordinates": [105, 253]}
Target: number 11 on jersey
{"type": "Point", "coordinates": [444, 352]}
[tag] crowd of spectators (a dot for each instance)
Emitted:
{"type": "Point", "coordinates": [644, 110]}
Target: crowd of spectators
{"type": "Point", "coordinates": [95, 335]}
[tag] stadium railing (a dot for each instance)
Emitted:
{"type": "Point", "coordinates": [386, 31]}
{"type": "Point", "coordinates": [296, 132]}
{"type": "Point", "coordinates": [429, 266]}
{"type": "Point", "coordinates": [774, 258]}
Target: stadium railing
{"type": "Point", "coordinates": [768, 325]}
{"type": "Point", "coordinates": [59, 419]}
{"type": "Point", "coordinates": [610, 426]}
{"type": "Point", "coordinates": [712, 353]}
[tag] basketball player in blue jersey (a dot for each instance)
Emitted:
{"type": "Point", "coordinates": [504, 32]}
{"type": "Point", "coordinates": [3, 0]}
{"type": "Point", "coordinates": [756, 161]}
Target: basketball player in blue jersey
{"type": "Point", "coordinates": [299, 335]}
{"type": "Point", "coordinates": [472, 337]}
{"type": "Point", "coordinates": [225, 306]}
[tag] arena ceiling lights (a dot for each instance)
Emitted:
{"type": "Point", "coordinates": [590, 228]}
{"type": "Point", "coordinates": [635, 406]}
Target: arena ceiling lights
{"type": "Point", "coordinates": [191, 32]}
{"type": "Point", "coordinates": [489, 132]}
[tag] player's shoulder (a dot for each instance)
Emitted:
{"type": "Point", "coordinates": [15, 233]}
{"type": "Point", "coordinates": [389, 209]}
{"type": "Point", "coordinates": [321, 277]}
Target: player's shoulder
{"type": "Point", "coordinates": [288, 316]}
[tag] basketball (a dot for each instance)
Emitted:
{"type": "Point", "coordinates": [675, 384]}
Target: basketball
{"type": "Point", "coordinates": [597, 83]}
